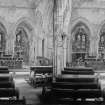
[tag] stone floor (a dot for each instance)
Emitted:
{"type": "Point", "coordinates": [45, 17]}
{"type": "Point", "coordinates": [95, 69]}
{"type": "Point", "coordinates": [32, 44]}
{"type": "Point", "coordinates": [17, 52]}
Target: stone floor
{"type": "Point", "coordinates": [32, 95]}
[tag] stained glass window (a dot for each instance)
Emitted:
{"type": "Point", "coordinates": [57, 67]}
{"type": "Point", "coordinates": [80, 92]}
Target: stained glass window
{"type": "Point", "coordinates": [22, 44]}
{"type": "Point", "coordinates": [80, 40]}
{"type": "Point", "coordinates": [80, 44]}
{"type": "Point", "coordinates": [2, 37]}
{"type": "Point", "coordinates": [102, 45]}
{"type": "Point", "coordinates": [19, 38]}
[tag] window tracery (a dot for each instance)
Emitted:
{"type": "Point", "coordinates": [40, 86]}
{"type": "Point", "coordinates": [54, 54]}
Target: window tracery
{"type": "Point", "coordinates": [80, 41]}
{"type": "Point", "coordinates": [22, 44]}
{"type": "Point", "coordinates": [102, 45]}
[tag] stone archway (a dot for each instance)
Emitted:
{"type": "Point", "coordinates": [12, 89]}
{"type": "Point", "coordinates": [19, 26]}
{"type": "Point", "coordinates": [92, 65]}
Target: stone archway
{"type": "Point", "coordinates": [22, 43]}
{"type": "Point", "coordinates": [80, 43]}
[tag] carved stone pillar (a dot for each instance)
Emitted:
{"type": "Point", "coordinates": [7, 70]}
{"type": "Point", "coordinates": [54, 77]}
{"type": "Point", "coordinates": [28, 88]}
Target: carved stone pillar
{"type": "Point", "coordinates": [57, 36]}
{"type": "Point", "coordinates": [61, 9]}
{"type": "Point", "coordinates": [64, 52]}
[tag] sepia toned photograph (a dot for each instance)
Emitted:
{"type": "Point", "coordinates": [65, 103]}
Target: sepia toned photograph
{"type": "Point", "coordinates": [52, 52]}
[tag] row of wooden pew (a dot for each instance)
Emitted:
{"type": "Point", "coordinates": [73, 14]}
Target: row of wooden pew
{"type": "Point", "coordinates": [8, 92]}
{"type": "Point", "coordinates": [75, 84]}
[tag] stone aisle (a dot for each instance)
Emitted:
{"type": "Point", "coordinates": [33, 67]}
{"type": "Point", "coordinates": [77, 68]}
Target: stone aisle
{"type": "Point", "coordinates": [31, 94]}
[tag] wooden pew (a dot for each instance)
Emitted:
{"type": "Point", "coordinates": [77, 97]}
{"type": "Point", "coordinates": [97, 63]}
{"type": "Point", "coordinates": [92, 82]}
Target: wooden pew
{"type": "Point", "coordinates": [64, 93]}
{"type": "Point", "coordinates": [75, 94]}
{"type": "Point", "coordinates": [42, 69]}
{"type": "Point", "coordinates": [7, 88]}
{"type": "Point", "coordinates": [76, 83]}
{"type": "Point", "coordinates": [6, 77]}
{"type": "Point", "coordinates": [7, 84]}
{"type": "Point", "coordinates": [79, 69]}
{"type": "Point", "coordinates": [4, 71]}
{"type": "Point", "coordinates": [77, 80]}
{"type": "Point", "coordinates": [5, 68]}
{"type": "Point", "coordinates": [76, 71]}
{"type": "Point", "coordinates": [88, 93]}
{"type": "Point", "coordinates": [75, 86]}
{"type": "Point", "coordinates": [13, 102]}
{"type": "Point", "coordinates": [9, 92]}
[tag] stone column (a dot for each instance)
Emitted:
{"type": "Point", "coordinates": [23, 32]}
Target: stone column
{"type": "Point", "coordinates": [32, 52]}
{"type": "Point", "coordinates": [92, 47]}
{"type": "Point", "coordinates": [69, 49]}
{"type": "Point", "coordinates": [60, 11]}
{"type": "Point", "coordinates": [65, 51]}
{"type": "Point", "coordinates": [57, 41]}
{"type": "Point", "coordinates": [67, 30]}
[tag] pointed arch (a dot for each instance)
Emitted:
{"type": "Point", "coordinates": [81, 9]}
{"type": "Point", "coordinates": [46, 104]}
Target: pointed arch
{"type": "Point", "coordinates": [81, 20]}
{"type": "Point", "coordinates": [23, 35]}
{"type": "Point", "coordinates": [80, 35]}
{"type": "Point", "coordinates": [27, 24]}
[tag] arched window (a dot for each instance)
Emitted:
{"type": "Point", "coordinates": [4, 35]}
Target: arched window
{"type": "Point", "coordinates": [19, 38]}
{"type": "Point", "coordinates": [3, 33]}
{"type": "Point", "coordinates": [1, 39]}
{"type": "Point", "coordinates": [101, 49]}
{"type": "Point", "coordinates": [22, 44]}
{"type": "Point", "coordinates": [80, 42]}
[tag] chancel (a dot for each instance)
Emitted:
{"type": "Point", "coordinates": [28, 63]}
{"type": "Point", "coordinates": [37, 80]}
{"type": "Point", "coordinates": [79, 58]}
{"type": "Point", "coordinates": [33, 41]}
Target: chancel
{"type": "Point", "coordinates": [52, 52]}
